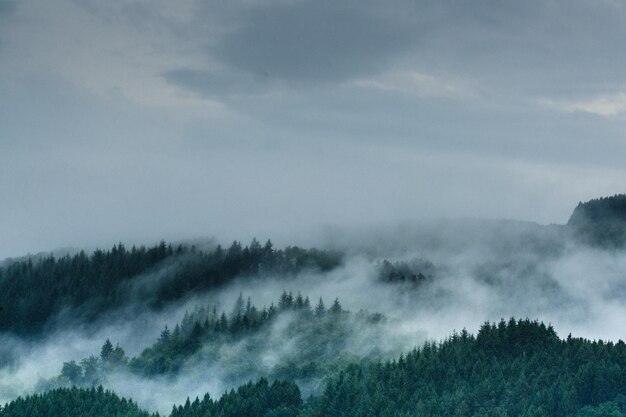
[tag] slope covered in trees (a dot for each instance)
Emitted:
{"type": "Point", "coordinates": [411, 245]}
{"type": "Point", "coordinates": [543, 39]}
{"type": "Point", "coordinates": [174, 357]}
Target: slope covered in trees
{"type": "Point", "coordinates": [518, 368]}
{"type": "Point", "coordinates": [307, 342]}
{"type": "Point", "coordinates": [601, 221]}
{"type": "Point", "coordinates": [73, 402]}
{"type": "Point", "coordinates": [514, 368]}
{"type": "Point", "coordinates": [31, 293]}
{"type": "Point", "coordinates": [261, 399]}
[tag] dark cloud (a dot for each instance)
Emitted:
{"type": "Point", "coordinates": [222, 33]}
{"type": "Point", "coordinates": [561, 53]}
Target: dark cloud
{"type": "Point", "coordinates": [313, 41]}
{"type": "Point", "coordinates": [532, 48]}
{"type": "Point", "coordinates": [7, 6]}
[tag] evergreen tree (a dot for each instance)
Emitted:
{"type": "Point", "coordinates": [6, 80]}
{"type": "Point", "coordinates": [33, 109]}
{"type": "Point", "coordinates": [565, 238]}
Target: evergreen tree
{"type": "Point", "coordinates": [106, 351]}
{"type": "Point", "coordinates": [320, 310]}
{"type": "Point", "coordinates": [335, 308]}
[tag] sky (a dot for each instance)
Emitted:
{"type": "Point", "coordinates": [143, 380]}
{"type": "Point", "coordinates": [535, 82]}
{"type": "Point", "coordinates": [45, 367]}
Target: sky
{"type": "Point", "coordinates": [136, 120]}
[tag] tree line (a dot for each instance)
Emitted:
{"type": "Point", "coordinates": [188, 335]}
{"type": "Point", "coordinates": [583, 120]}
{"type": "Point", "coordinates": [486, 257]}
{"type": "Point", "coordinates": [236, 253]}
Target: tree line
{"type": "Point", "coordinates": [515, 368]}
{"type": "Point", "coordinates": [321, 336]}
{"type": "Point", "coordinates": [34, 292]}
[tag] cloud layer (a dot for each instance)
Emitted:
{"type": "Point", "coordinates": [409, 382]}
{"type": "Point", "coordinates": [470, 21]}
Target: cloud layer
{"type": "Point", "coordinates": [279, 117]}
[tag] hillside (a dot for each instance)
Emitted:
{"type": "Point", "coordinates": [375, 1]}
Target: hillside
{"type": "Point", "coordinates": [515, 368]}
{"type": "Point", "coordinates": [601, 221]}
{"type": "Point", "coordinates": [71, 402]}
{"type": "Point", "coordinates": [84, 285]}
{"type": "Point", "coordinates": [306, 342]}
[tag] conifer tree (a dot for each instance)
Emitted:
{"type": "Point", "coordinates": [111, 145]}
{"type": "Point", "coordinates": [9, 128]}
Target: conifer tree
{"type": "Point", "coordinates": [320, 310]}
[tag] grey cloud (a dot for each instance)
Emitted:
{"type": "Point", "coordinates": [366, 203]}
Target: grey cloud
{"type": "Point", "coordinates": [7, 6]}
{"type": "Point", "coordinates": [532, 46]}
{"type": "Point", "coordinates": [215, 83]}
{"type": "Point", "coordinates": [528, 48]}
{"type": "Point", "coordinates": [297, 115]}
{"type": "Point", "coordinates": [313, 41]}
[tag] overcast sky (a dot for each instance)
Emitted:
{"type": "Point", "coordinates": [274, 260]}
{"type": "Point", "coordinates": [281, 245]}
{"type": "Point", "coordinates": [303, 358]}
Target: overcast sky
{"type": "Point", "coordinates": [136, 120]}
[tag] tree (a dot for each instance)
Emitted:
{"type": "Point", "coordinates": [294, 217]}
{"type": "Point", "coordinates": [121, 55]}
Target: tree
{"type": "Point", "coordinates": [165, 335]}
{"type": "Point", "coordinates": [118, 357]}
{"type": "Point", "coordinates": [286, 301]}
{"type": "Point", "coordinates": [320, 310]}
{"type": "Point", "coordinates": [238, 307]}
{"type": "Point", "coordinates": [336, 307]}
{"type": "Point", "coordinates": [91, 375]}
{"type": "Point", "coordinates": [106, 351]}
{"type": "Point", "coordinates": [72, 372]}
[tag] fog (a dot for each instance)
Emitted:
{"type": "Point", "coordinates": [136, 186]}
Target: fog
{"type": "Point", "coordinates": [482, 271]}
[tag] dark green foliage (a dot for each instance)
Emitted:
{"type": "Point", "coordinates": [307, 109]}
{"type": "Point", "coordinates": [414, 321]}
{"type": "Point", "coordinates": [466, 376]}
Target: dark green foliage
{"type": "Point", "coordinates": [515, 368]}
{"type": "Point", "coordinates": [279, 399]}
{"type": "Point", "coordinates": [318, 343]}
{"type": "Point", "coordinates": [34, 292]}
{"type": "Point", "coordinates": [414, 272]}
{"type": "Point", "coordinates": [601, 221]}
{"type": "Point", "coordinates": [518, 368]}
{"type": "Point", "coordinates": [261, 399]}
{"type": "Point", "coordinates": [615, 408]}
{"type": "Point", "coordinates": [73, 402]}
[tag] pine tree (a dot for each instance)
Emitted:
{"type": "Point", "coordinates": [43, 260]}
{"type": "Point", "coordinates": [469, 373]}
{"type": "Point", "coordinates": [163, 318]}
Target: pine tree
{"type": "Point", "coordinates": [336, 307]}
{"type": "Point", "coordinates": [238, 307]}
{"type": "Point", "coordinates": [165, 335]}
{"type": "Point", "coordinates": [320, 310]}
{"type": "Point", "coordinates": [106, 351]}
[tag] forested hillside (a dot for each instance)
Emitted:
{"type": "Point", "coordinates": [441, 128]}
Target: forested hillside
{"type": "Point", "coordinates": [308, 342]}
{"type": "Point", "coordinates": [514, 368]}
{"type": "Point", "coordinates": [601, 221]}
{"type": "Point", "coordinates": [261, 399]}
{"type": "Point", "coordinates": [518, 368]}
{"type": "Point", "coordinates": [73, 321]}
{"type": "Point", "coordinates": [73, 402]}
{"type": "Point", "coordinates": [31, 293]}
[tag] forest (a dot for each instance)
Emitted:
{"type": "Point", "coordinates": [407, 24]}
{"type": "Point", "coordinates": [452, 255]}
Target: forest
{"type": "Point", "coordinates": [31, 292]}
{"type": "Point", "coordinates": [511, 368]}
{"type": "Point", "coordinates": [346, 330]}
{"type": "Point", "coordinates": [322, 337]}
{"type": "Point", "coordinates": [312, 208]}
{"type": "Point", "coordinates": [601, 221]}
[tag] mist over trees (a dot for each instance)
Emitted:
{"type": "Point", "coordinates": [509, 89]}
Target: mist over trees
{"type": "Point", "coordinates": [322, 340]}
{"type": "Point", "coordinates": [601, 221]}
{"type": "Point", "coordinates": [304, 353]}
{"type": "Point", "coordinates": [32, 293]}
{"type": "Point", "coordinates": [514, 368]}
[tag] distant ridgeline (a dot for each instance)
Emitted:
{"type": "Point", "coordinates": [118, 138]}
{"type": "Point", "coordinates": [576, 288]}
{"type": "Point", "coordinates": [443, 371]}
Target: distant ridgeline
{"type": "Point", "coordinates": [519, 368]}
{"type": "Point", "coordinates": [320, 340]}
{"type": "Point", "coordinates": [601, 222]}
{"type": "Point", "coordinates": [33, 292]}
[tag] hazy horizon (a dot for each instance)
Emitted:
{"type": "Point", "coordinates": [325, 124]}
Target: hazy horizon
{"type": "Point", "coordinates": [137, 122]}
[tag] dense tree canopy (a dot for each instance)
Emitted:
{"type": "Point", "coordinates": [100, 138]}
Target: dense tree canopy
{"type": "Point", "coordinates": [261, 399]}
{"type": "Point", "coordinates": [73, 402]}
{"type": "Point", "coordinates": [33, 292]}
{"type": "Point", "coordinates": [515, 368]}
{"type": "Point", "coordinates": [518, 368]}
{"type": "Point", "coordinates": [601, 221]}
{"type": "Point", "coordinates": [320, 341]}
